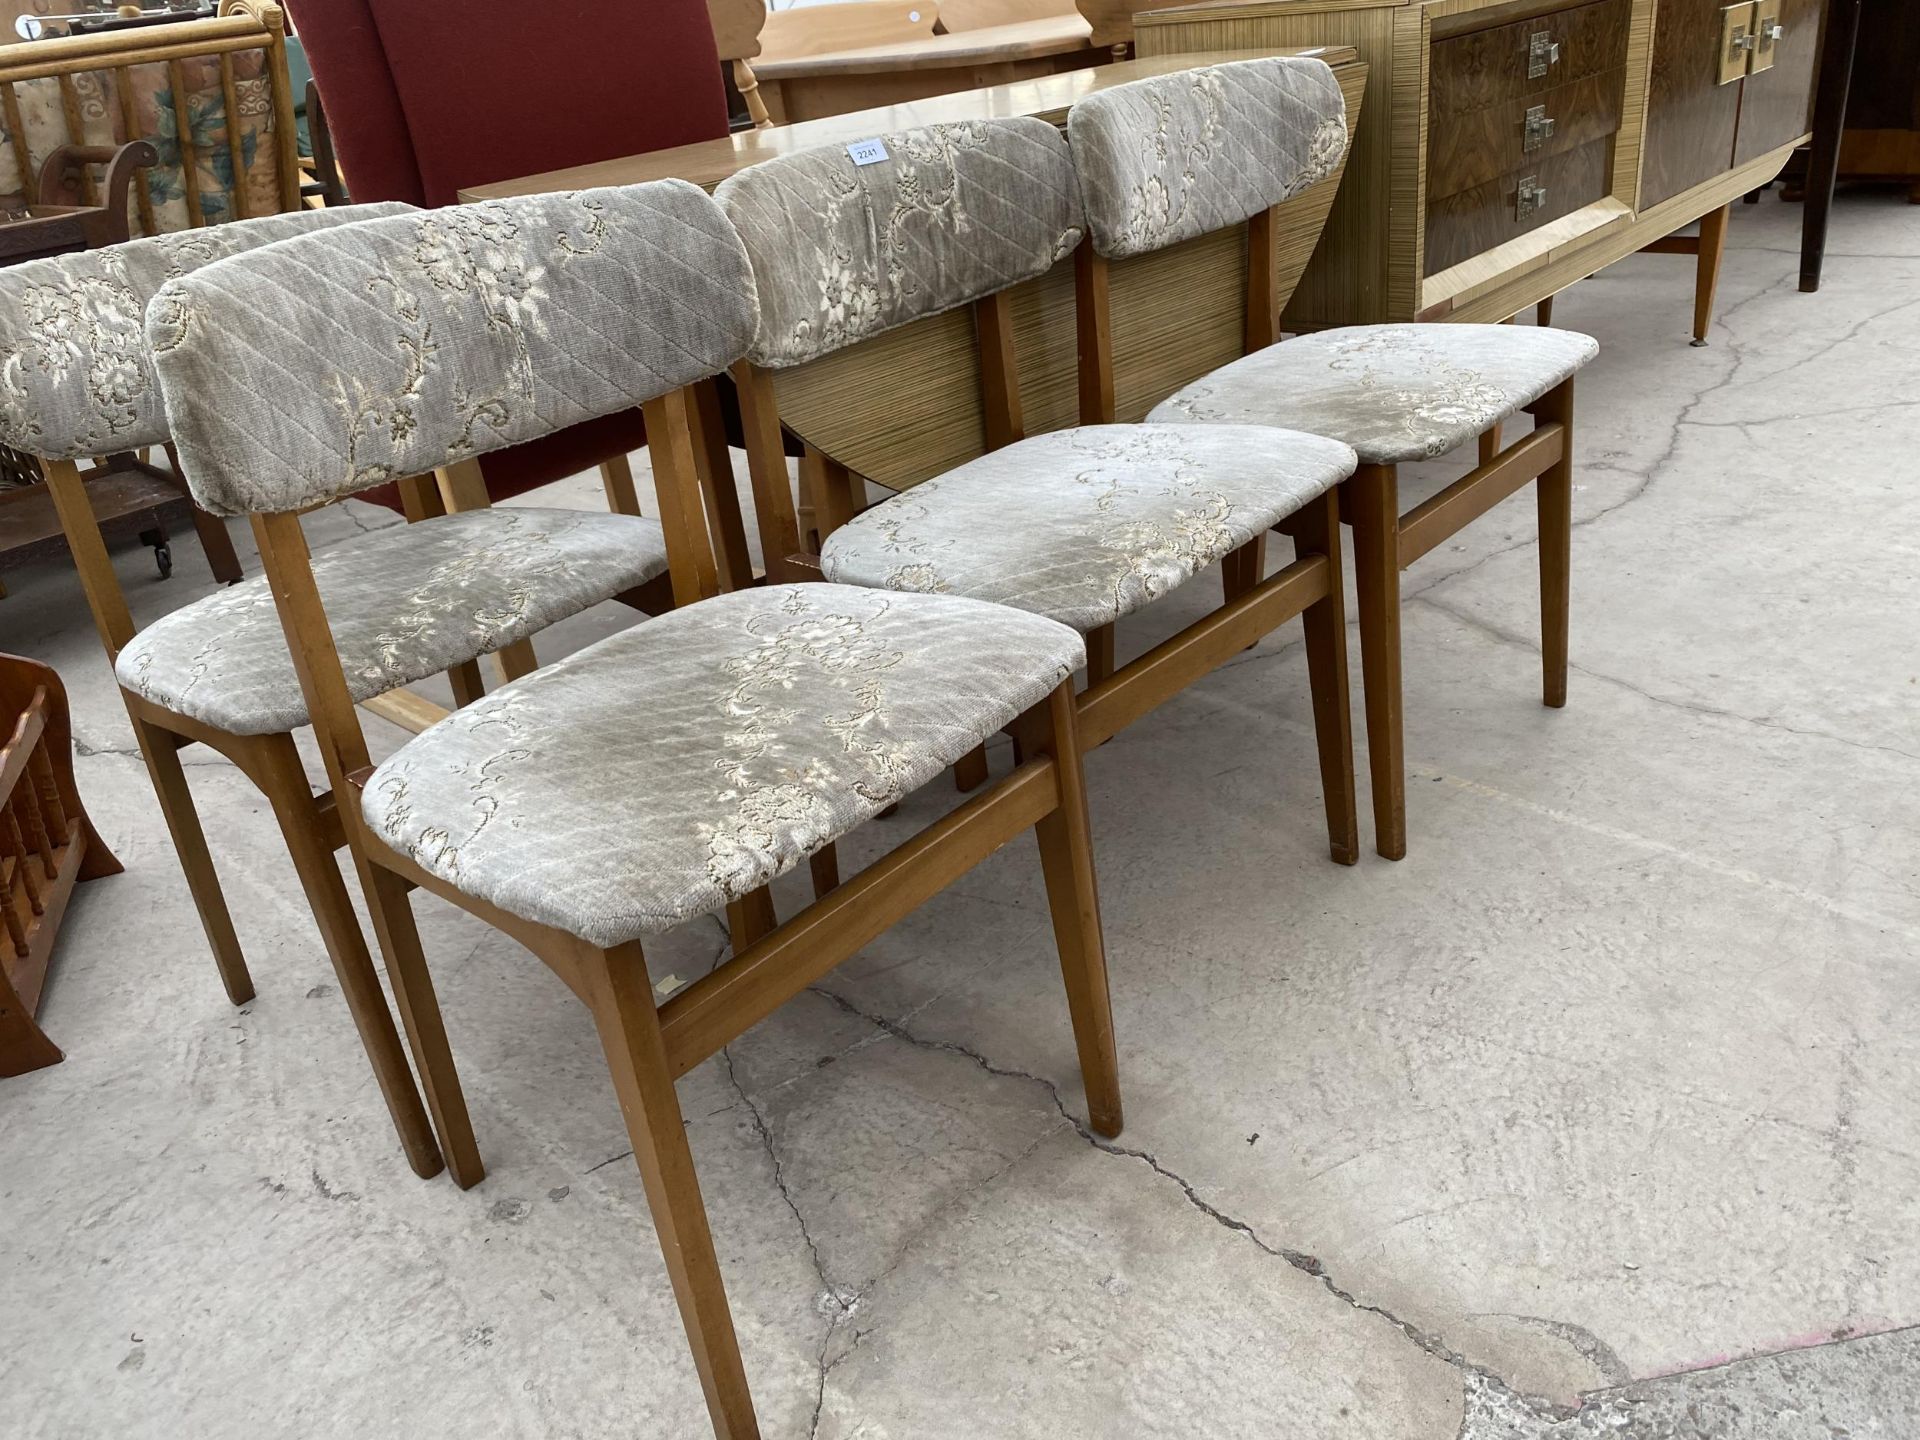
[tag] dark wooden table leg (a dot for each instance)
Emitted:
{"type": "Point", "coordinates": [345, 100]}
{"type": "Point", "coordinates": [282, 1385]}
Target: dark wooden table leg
{"type": "Point", "coordinates": [1829, 120]}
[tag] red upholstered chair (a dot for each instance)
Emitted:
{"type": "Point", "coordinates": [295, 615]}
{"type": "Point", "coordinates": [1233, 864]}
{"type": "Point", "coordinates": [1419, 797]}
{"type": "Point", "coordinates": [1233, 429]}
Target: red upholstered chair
{"type": "Point", "coordinates": [425, 98]}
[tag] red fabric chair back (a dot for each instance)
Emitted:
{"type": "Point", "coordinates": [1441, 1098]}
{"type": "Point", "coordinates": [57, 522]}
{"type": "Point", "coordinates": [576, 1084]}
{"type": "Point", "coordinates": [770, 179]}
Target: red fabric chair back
{"type": "Point", "coordinates": [369, 129]}
{"type": "Point", "coordinates": [487, 90]}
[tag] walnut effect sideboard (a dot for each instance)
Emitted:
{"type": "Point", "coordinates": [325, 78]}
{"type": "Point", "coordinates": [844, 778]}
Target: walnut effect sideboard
{"type": "Point", "coordinates": [1512, 147]}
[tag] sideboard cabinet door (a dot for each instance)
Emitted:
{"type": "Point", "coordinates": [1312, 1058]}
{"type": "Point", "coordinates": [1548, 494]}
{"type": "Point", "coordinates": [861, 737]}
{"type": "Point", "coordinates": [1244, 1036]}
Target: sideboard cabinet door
{"type": "Point", "coordinates": [1691, 116]}
{"type": "Point", "coordinates": [1776, 101]}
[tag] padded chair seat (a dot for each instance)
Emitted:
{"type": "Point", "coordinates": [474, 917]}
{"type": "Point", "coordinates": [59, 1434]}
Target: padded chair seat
{"type": "Point", "coordinates": [684, 763]}
{"type": "Point", "coordinates": [1393, 392]}
{"type": "Point", "coordinates": [1090, 524]}
{"type": "Point", "coordinates": [405, 603]}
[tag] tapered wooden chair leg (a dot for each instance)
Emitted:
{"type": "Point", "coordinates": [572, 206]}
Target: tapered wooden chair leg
{"type": "Point", "coordinates": [1100, 641]}
{"type": "Point", "coordinates": [751, 917]}
{"type": "Point", "coordinates": [1244, 568]}
{"type": "Point", "coordinates": [970, 771]}
{"type": "Point", "coordinates": [190, 843]}
{"type": "Point", "coordinates": [467, 682]}
{"type": "Point", "coordinates": [291, 796]}
{"type": "Point", "coordinates": [1325, 622]}
{"type": "Point", "coordinates": [621, 998]}
{"type": "Point", "coordinates": [1554, 489]}
{"type": "Point", "coordinates": [824, 868]}
{"type": "Point", "coordinates": [1491, 440]}
{"type": "Point", "coordinates": [513, 661]}
{"type": "Point", "coordinates": [1066, 861]}
{"type": "Point", "coordinates": [1374, 491]}
{"type": "Point", "coordinates": [393, 924]}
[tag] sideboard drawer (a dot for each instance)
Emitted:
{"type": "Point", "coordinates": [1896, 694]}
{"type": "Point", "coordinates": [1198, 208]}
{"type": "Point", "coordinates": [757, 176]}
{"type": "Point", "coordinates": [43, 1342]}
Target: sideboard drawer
{"type": "Point", "coordinates": [1469, 148]}
{"type": "Point", "coordinates": [1461, 226]}
{"type": "Point", "coordinates": [1486, 67]}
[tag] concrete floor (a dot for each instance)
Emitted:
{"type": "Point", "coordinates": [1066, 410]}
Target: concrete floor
{"type": "Point", "coordinates": [1597, 1116]}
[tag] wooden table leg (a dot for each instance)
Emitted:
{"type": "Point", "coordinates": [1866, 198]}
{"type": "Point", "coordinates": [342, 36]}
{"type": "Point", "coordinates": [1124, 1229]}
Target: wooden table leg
{"type": "Point", "coordinates": [1706, 281]}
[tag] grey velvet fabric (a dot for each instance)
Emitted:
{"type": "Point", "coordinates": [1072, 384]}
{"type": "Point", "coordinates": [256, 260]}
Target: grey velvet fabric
{"type": "Point", "coordinates": [404, 603]}
{"type": "Point", "coordinates": [844, 251]}
{"type": "Point", "coordinates": [1091, 524]}
{"type": "Point", "coordinates": [681, 764]}
{"type": "Point", "coordinates": [1394, 392]}
{"type": "Point", "coordinates": [324, 365]}
{"type": "Point", "coordinates": [1168, 158]}
{"type": "Point", "coordinates": [77, 380]}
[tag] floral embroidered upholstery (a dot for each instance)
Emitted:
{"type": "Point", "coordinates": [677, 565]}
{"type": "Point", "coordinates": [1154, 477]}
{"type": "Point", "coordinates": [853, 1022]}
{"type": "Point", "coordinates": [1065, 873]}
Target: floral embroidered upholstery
{"type": "Point", "coordinates": [844, 251]}
{"type": "Point", "coordinates": [676, 766]}
{"type": "Point", "coordinates": [1393, 392]}
{"type": "Point", "coordinates": [1169, 158]}
{"type": "Point", "coordinates": [77, 380]}
{"type": "Point", "coordinates": [405, 603]}
{"type": "Point", "coordinates": [337, 361]}
{"type": "Point", "coordinates": [1087, 525]}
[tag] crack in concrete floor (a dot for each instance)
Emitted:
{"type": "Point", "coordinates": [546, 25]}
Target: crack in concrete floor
{"type": "Point", "coordinates": [1299, 1260]}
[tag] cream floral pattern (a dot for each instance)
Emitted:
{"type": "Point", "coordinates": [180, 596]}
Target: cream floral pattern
{"type": "Point", "coordinates": [1394, 392]}
{"type": "Point", "coordinates": [332, 364]}
{"type": "Point", "coordinates": [842, 252]}
{"type": "Point", "coordinates": [1087, 525]}
{"type": "Point", "coordinates": [404, 602]}
{"type": "Point", "coordinates": [678, 765]}
{"type": "Point", "coordinates": [1168, 158]}
{"type": "Point", "coordinates": [77, 378]}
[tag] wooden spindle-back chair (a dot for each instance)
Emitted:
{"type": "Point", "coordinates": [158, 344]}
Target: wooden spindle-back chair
{"type": "Point", "coordinates": [84, 68]}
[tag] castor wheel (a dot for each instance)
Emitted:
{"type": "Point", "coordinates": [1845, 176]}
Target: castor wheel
{"type": "Point", "coordinates": [162, 549]}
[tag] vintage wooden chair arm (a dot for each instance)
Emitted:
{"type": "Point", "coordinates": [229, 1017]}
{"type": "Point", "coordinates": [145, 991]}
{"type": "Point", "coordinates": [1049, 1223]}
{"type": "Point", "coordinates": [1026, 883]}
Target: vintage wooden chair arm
{"type": "Point", "coordinates": [116, 190]}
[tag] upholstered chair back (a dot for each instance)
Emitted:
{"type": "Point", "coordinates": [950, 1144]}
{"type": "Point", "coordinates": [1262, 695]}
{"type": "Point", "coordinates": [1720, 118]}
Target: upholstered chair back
{"type": "Point", "coordinates": [1179, 156]}
{"type": "Point", "coordinates": [76, 380]}
{"type": "Point", "coordinates": [848, 242]}
{"type": "Point", "coordinates": [323, 365]}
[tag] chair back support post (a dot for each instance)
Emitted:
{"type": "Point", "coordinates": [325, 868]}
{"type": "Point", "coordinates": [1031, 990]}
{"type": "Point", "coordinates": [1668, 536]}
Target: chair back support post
{"type": "Point", "coordinates": [773, 507]}
{"type": "Point", "coordinates": [288, 564]}
{"type": "Point", "coordinates": [676, 480]}
{"type": "Point", "coordinates": [1264, 300]}
{"type": "Point", "coordinates": [999, 370]}
{"type": "Point", "coordinates": [105, 598]}
{"type": "Point", "coordinates": [1093, 327]}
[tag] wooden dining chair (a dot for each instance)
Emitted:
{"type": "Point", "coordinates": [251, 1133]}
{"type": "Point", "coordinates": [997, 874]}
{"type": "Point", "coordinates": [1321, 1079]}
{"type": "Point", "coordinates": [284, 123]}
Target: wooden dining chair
{"type": "Point", "coordinates": [854, 260]}
{"type": "Point", "coordinates": [667, 771]}
{"type": "Point", "coordinates": [1164, 159]}
{"type": "Point", "coordinates": [410, 601]}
